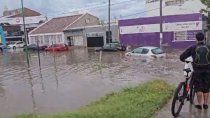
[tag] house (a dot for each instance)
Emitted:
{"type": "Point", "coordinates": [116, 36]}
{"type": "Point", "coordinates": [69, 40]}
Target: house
{"type": "Point", "coordinates": [178, 30]}
{"type": "Point", "coordinates": [12, 22]}
{"type": "Point", "coordinates": [93, 35]}
{"type": "Point", "coordinates": [52, 32]}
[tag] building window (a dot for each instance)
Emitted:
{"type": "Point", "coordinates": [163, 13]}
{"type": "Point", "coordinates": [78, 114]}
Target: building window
{"type": "Point", "coordinates": [46, 39]}
{"type": "Point", "coordinates": [59, 38]}
{"type": "Point", "coordinates": [180, 36]}
{"type": "Point", "coordinates": [174, 2]}
{"type": "Point", "coordinates": [151, 1]}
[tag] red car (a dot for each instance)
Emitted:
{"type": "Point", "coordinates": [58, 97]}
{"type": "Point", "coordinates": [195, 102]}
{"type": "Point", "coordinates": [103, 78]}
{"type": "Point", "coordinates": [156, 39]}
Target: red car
{"type": "Point", "coordinates": [57, 47]}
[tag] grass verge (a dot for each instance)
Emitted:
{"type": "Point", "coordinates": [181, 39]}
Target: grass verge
{"type": "Point", "coordinates": [138, 102]}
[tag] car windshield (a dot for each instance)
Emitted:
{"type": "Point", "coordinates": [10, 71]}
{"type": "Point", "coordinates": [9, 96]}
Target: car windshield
{"type": "Point", "coordinates": [157, 51]}
{"type": "Point", "coordinates": [109, 45]}
{"type": "Point", "coordinates": [12, 42]}
{"type": "Point", "coordinates": [33, 45]}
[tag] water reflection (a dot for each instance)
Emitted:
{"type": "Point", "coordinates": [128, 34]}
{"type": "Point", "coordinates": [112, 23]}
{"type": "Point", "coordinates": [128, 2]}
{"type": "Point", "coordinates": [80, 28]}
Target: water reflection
{"type": "Point", "coordinates": [41, 80]}
{"type": "Point", "coordinates": [55, 69]}
{"type": "Point", "coordinates": [2, 91]}
{"type": "Point", "coordinates": [30, 80]}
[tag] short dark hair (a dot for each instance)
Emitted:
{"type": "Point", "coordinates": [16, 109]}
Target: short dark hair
{"type": "Point", "coordinates": [200, 36]}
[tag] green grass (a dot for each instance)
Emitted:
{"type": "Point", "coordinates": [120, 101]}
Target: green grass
{"type": "Point", "coordinates": [138, 102]}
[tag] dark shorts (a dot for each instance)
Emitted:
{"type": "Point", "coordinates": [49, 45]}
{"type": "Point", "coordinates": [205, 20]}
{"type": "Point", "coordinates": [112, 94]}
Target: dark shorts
{"type": "Point", "coordinates": [201, 81]}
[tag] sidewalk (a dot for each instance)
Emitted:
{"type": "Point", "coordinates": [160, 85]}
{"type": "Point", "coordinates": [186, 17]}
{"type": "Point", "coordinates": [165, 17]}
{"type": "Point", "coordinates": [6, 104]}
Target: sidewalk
{"type": "Point", "coordinates": [188, 111]}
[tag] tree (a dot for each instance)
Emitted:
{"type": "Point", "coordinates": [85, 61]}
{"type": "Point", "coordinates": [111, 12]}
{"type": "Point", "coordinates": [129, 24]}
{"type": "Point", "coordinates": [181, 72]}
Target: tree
{"type": "Point", "coordinates": [206, 2]}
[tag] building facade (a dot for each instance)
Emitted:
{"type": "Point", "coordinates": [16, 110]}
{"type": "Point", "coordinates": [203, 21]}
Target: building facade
{"type": "Point", "coordinates": [52, 32]}
{"type": "Point", "coordinates": [178, 30]}
{"type": "Point", "coordinates": [92, 36]}
{"type": "Point", "coordinates": [173, 7]}
{"type": "Point", "coordinates": [12, 22]}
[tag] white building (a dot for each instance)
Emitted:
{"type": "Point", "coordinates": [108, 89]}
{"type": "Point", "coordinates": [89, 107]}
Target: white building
{"type": "Point", "coordinates": [173, 7]}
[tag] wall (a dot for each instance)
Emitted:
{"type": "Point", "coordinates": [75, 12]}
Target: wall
{"type": "Point", "coordinates": [86, 20]}
{"type": "Point", "coordinates": [90, 31]}
{"type": "Point", "coordinates": [47, 39]}
{"type": "Point", "coordinates": [188, 7]}
{"type": "Point", "coordinates": [179, 30]}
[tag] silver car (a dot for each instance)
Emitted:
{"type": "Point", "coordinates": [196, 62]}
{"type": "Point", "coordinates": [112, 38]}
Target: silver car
{"type": "Point", "coordinates": [147, 51]}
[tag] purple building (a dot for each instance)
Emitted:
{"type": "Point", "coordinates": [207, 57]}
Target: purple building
{"type": "Point", "coordinates": [178, 30]}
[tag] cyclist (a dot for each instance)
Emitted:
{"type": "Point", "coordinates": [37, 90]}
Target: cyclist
{"type": "Point", "coordinates": [201, 56]}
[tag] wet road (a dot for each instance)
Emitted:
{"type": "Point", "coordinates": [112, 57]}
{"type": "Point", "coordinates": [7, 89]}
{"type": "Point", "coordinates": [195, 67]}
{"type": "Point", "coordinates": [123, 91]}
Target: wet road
{"type": "Point", "coordinates": [66, 81]}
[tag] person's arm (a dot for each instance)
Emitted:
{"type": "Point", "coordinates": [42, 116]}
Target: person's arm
{"type": "Point", "coordinates": [187, 53]}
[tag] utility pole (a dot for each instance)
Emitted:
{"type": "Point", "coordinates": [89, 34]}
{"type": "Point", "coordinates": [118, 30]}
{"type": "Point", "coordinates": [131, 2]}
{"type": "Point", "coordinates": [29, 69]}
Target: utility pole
{"type": "Point", "coordinates": [109, 15]}
{"type": "Point", "coordinates": [161, 23]}
{"type": "Point", "coordinates": [25, 32]}
{"type": "Point", "coordinates": [24, 25]}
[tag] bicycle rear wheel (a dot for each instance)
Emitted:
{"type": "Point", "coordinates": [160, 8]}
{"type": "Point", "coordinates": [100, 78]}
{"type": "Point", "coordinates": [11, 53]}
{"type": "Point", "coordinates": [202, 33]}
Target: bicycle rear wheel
{"type": "Point", "coordinates": [178, 99]}
{"type": "Point", "coordinates": [192, 94]}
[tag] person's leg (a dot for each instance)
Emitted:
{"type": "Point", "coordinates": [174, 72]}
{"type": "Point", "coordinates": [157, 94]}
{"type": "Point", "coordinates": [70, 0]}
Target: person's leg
{"type": "Point", "coordinates": [199, 97]}
{"type": "Point", "coordinates": [206, 97]}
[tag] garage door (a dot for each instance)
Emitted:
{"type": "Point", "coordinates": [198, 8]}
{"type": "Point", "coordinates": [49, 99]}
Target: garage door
{"type": "Point", "coordinates": [95, 41]}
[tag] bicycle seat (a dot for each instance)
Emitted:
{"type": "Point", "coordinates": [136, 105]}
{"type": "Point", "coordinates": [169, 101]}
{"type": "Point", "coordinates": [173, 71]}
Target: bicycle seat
{"type": "Point", "coordinates": [187, 70]}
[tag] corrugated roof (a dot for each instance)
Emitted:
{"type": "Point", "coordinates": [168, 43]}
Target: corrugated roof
{"type": "Point", "coordinates": [56, 25]}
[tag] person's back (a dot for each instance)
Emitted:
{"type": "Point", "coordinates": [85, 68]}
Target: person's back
{"type": "Point", "coordinates": [201, 63]}
{"type": "Point", "coordinates": [200, 54]}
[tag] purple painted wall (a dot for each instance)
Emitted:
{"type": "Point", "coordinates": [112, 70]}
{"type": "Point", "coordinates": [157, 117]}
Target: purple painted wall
{"type": "Point", "coordinates": [153, 38]}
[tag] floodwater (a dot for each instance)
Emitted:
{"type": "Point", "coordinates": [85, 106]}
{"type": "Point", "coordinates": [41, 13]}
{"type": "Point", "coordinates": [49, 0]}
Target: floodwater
{"type": "Point", "coordinates": [65, 81]}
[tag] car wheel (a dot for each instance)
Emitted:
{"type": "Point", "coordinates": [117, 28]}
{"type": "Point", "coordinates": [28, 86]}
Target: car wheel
{"type": "Point", "coordinates": [14, 48]}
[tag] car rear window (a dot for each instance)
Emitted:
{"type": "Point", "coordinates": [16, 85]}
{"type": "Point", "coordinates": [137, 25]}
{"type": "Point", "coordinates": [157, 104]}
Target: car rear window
{"type": "Point", "coordinates": [138, 50]}
{"type": "Point", "coordinates": [157, 51]}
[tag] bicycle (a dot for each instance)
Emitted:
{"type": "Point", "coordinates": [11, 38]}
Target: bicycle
{"type": "Point", "coordinates": [184, 91]}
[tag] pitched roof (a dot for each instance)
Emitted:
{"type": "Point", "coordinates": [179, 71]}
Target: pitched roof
{"type": "Point", "coordinates": [56, 25]}
{"type": "Point", "coordinates": [18, 13]}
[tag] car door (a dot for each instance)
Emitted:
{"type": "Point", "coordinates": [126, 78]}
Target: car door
{"type": "Point", "coordinates": [145, 52]}
{"type": "Point", "coordinates": [22, 44]}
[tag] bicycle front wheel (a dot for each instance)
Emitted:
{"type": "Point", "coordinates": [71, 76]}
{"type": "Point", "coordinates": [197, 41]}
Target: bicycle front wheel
{"type": "Point", "coordinates": [178, 99]}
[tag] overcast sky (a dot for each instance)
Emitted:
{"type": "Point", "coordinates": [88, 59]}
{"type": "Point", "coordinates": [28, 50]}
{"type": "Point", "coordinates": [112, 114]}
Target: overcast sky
{"type": "Point", "coordinates": [53, 8]}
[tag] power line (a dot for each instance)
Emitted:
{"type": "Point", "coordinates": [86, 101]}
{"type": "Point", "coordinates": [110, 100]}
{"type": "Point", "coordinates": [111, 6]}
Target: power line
{"type": "Point", "coordinates": [92, 8]}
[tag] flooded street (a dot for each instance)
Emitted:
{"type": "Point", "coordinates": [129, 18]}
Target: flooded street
{"type": "Point", "coordinates": [66, 81]}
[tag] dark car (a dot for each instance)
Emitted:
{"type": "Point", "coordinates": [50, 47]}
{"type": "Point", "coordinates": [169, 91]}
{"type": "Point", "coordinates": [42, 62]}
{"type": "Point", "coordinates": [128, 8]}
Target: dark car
{"type": "Point", "coordinates": [3, 47]}
{"type": "Point", "coordinates": [33, 47]}
{"type": "Point", "coordinates": [115, 46]}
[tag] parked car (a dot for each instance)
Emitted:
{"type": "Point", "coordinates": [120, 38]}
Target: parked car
{"type": "Point", "coordinates": [2, 47]}
{"type": "Point", "coordinates": [17, 44]}
{"type": "Point", "coordinates": [33, 47]}
{"type": "Point", "coordinates": [115, 46]}
{"type": "Point", "coordinates": [57, 47]}
{"type": "Point", "coordinates": [147, 51]}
